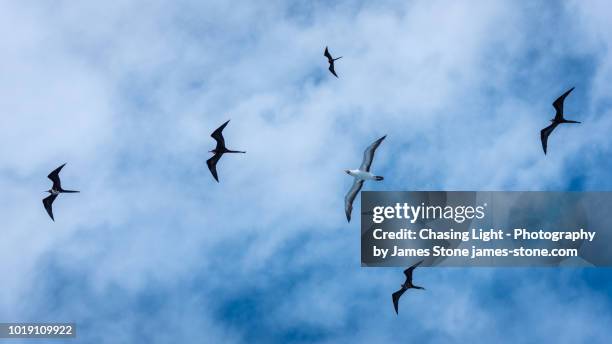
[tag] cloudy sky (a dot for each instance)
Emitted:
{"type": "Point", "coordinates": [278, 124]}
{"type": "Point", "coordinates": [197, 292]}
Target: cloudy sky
{"type": "Point", "coordinates": [153, 250]}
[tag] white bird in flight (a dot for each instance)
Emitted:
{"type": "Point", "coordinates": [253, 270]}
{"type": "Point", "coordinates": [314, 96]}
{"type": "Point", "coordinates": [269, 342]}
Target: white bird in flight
{"type": "Point", "coordinates": [360, 175]}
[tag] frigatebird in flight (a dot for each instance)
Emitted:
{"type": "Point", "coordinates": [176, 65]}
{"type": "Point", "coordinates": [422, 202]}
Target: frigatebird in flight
{"type": "Point", "coordinates": [407, 285]}
{"type": "Point", "coordinates": [55, 190]}
{"type": "Point", "coordinates": [218, 151]}
{"type": "Point", "coordinates": [558, 105]}
{"type": "Point", "coordinates": [360, 175]}
{"type": "Point", "coordinates": [331, 60]}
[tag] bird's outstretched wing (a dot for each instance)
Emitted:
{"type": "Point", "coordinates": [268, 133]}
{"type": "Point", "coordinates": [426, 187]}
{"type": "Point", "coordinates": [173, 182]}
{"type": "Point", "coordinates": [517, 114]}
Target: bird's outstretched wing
{"type": "Point", "coordinates": [333, 70]}
{"type": "Point", "coordinates": [558, 104]}
{"type": "Point", "coordinates": [544, 133]}
{"type": "Point", "coordinates": [47, 202]}
{"type": "Point", "coordinates": [212, 165]}
{"type": "Point", "coordinates": [218, 136]}
{"type": "Point", "coordinates": [408, 272]}
{"type": "Point", "coordinates": [328, 55]}
{"type": "Point", "coordinates": [396, 296]}
{"type": "Point", "coordinates": [54, 176]}
{"type": "Point", "coordinates": [350, 197]}
{"type": "Point", "coordinates": [368, 155]}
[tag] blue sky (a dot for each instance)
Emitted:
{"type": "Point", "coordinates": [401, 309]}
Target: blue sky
{"type": "Point", "coordinates": [154, 251]}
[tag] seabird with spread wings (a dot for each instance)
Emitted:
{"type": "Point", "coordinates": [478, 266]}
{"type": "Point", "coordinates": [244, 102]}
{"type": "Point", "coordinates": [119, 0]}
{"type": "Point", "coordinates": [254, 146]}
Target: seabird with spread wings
{"type": "Point", "coordinates": [219, 150]}
{"type": "Point", "coordinates": [55, 190]}
{"type": "Point", "coordinates": [407, 285]}
{"type": "Point", "coordinates": [362, 174]}
{"type": "Point", "coordinates": [331, 60]}
{"type": "Point", "coordinates": [558, 105]}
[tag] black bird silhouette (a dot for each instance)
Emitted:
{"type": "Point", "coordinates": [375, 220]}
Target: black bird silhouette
{"type": "Point", "coordinates": [55, 190]}
{"type": "Point", "coordinates": [331, 60]}
{"type": "Point", "coordinates": [407, 285]}
{"type": "Point", "coordinates": [218, 151]}
{"type": "Point", "coordinates": [558, 105]}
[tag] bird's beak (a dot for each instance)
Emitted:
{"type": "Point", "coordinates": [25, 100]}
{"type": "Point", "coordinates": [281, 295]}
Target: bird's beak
{"type": "Point", "coordinates": [347, 171]}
